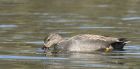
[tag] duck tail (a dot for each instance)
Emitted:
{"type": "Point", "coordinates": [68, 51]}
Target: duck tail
{"type": "Point", "coordinates": [124, 40]}
{"type": "Point", "coordinates": [120, 44]}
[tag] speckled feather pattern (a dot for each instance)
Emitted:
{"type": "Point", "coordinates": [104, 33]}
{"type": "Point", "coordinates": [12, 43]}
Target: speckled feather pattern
{"type": "Point", "coordinates": [80, 43]}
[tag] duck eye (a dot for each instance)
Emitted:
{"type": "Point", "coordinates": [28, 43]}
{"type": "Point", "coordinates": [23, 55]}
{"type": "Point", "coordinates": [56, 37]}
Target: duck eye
{"type": "Point", "coordinates": [48, 39]}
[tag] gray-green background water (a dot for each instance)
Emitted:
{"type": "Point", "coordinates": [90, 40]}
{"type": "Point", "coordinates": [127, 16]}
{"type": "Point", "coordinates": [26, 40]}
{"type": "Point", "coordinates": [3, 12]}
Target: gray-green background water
{"type": "Point", "coordinates": [25, 23]}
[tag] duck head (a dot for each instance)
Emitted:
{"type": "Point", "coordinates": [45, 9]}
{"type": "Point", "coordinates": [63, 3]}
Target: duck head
{"type": "Point", "coordinates": [52, 40]}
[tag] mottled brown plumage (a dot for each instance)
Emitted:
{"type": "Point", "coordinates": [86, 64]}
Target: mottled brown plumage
{"type": "Point", "coordinates": [83, 43]}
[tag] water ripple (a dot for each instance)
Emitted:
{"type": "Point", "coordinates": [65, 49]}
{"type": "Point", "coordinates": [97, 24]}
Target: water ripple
{"type": "Point", "coordinates": [130, 18]}
{"type": "Point", "coordinates": [100, 27]}
{"type": "Point", "coordinates": [29, 57]}
{"type": "Point", "coordinates": [7, 26]}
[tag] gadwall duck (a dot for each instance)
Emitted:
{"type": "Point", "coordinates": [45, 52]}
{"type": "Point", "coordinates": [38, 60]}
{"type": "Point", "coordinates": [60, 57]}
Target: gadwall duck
{"type": "Point", "coordinates": [83, 43]}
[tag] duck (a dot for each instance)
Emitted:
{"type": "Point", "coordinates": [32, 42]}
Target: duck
{"type": "Point", "coordinates": [83, 43]}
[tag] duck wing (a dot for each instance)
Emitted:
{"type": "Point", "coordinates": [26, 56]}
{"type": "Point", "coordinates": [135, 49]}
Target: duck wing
{"type": "Point", "coordinates": [95, 38]}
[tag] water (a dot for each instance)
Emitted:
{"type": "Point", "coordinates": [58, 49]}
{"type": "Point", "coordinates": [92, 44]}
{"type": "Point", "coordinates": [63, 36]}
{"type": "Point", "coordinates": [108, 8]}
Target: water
{"type": "Point", "coordinates": [25, 23]}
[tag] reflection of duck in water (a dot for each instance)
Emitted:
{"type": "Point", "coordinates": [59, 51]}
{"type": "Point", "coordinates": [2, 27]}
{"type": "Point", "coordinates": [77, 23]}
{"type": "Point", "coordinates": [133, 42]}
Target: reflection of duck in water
{"type": "Point", "coordinates": [83, 43]}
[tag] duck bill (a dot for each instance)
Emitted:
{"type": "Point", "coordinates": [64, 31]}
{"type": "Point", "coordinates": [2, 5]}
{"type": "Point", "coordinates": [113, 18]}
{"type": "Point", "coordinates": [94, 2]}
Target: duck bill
{"type": "Point", "coordinates": [44, 47]}
{"type": "Point", "coordinates": [47, 45]}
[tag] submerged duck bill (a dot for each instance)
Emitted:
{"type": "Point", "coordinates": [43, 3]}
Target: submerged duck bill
{"type": "Point", "coordinates": [45, 48]}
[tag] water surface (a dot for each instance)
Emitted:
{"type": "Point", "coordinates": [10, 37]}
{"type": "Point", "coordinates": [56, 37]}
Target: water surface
{"type": "Point", "coordinates": [25, 23]}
